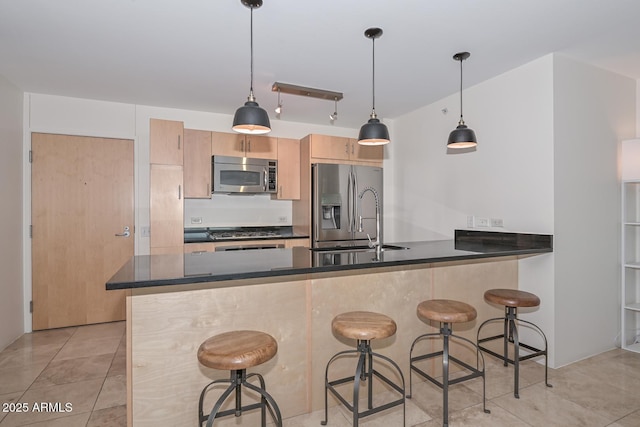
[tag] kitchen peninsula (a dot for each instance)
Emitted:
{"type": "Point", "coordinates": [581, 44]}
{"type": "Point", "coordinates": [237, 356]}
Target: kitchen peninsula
{"type": "Point", "coordinates": [176, 301]}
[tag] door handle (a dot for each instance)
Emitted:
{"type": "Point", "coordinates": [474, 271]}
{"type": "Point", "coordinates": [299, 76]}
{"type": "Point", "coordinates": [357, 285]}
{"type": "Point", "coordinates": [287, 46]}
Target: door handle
{"type": "Point", "coordinates": [126, 232]}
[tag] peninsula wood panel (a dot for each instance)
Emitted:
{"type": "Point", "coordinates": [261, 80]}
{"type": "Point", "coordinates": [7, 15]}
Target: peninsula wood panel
{"type": "Point", "coordinates": [82, 196]}
{"type": "Point", "coordinates": [169, 323]}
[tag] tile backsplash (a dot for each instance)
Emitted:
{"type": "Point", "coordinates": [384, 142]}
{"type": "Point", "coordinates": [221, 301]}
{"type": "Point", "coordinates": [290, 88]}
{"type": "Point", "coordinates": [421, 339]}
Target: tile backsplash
{"type": "Point", "coordinates": [224, 210]}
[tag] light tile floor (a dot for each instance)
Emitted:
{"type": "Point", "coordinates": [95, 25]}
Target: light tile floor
{"type": "Point", "coordinates": [85, 366]}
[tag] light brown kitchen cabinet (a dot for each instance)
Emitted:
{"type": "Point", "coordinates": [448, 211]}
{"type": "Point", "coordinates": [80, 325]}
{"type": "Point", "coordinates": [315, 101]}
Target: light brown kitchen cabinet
{"type": "Point", "coordinates": [341, 149]}
{"type": "Point", "coordinates": [166, 209]}
{"type": "Point", "coordinates": [241, 145]}
{"type": "Point", "coordinates": [165, 142]}
{"type": "Point", "coordinates": [366, 153]}
{"type": "Point", "coordinates": [197, 164]}
{"type": "Point", "coordinates": [211, 246]}
{"type": "Point", "coordinates": [294, 243]}
{"type": "Point", "coordinates": [288, 169]}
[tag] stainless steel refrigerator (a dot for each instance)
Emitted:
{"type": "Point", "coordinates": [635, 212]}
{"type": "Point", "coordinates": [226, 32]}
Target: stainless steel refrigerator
{"type": "Point", "coordinates": [336, 205]}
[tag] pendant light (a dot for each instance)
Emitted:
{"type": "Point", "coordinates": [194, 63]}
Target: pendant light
{"type": "Point", "coordinates": [250, 118]}
{"type": "Point", "coordinates": [462, 136]}
{"type": "Point", "coordinates": [373, 132]}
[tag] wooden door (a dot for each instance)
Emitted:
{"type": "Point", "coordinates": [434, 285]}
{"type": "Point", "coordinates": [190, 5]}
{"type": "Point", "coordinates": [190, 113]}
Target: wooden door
{"type": "Point", "coordinates": [82, 198]}
{"type": "Point", "coordinates": [197, 164]}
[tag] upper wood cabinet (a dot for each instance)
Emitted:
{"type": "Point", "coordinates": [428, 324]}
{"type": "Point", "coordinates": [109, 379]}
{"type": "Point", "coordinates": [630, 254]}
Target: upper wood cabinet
{"type": "Point", "coordinates": [288, 169]}
{"type": "Point", "coordinates": [240, 145]}
{"type": "Point", "coordinates": [366, 153]}
{"type": "Point", "coordinates": [165, 142]}
{"type": "Point", "coordinates": [344, 150]}
{"type": "Point", "coordinates": [197, 164]}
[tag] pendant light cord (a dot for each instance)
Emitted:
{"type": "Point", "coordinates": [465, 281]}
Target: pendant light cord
{"type": "Point", "coordinates": [373, 80]}
{"type": "Point", "coordinates": [461, 122]}
{"type": "Point", "coordinates": [251, 98]}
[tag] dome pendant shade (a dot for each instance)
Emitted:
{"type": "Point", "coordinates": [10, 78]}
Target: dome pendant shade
{"type": "Point", "coordinates": [251, 119]}
{"type": "Point", "coordinates": [373, 133]}
{"type": "Point", "coordinates": [462, 137]}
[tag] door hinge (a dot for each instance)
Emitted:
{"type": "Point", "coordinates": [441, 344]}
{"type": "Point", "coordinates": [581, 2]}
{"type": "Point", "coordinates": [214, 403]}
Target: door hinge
{"type": "Point", "coordinates": [31, 231]}
{"type": "Point", "coordinates": [30, 156]}
{"type": "Point", "coordinates": [31, 306]}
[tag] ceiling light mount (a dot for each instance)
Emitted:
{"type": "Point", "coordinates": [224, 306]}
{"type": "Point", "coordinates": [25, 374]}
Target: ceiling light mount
{"type": "Point", "coordinates": [373, 132]}
{"type": "Point", "coordinates": [306, 91]}
{"type": "Point", "coordinates": [250, 118]}
{"type": "Point", "coordinates": [462, 136]}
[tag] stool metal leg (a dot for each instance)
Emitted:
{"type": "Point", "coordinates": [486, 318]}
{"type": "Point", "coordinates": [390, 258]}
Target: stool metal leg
{"type": "Point", "coordinates": [447, 334]}
{"type": "Point", "coordinates": [510, 335]}
{"type": "Point", "coordinates": [237, 380]}
{"type": "Point", "coordinates": [364, 372]}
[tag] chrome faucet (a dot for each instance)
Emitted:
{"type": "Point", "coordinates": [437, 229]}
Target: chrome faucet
{"type": "Point", "coordinates": [372, 244]}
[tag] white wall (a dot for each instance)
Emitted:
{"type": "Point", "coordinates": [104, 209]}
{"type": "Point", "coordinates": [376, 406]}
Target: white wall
{"type": "Point", "coordinates": [510, 176]}
{"type": "Point", "coordinates": [594, 111]}
{"type": "Point", "coordinates": [12, 228]}
{"type": "Point", "coordinates": [547, 162]}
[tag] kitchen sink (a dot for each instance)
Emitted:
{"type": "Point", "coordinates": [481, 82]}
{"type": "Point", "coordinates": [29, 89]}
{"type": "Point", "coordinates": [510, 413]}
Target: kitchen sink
{"type": "Point", "coordinates": [363, 248]}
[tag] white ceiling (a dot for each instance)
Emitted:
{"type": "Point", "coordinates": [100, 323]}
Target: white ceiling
{"type": "Point", "coordinates": [194, 54]}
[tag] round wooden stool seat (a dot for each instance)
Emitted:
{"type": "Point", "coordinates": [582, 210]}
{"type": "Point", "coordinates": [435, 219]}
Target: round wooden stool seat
{"type": "Point", "coordinates": [363, 325]}
{"type": "Point", "coordinates": [512, 298]}
{"type": "Point", "coordinates": [237, 350]}
{"type": "Point", "coordinates": [446, 311]}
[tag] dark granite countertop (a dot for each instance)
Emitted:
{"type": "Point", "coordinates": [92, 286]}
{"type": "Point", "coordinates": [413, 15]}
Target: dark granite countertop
{"type": "Point", "coordinates": [156, 270]}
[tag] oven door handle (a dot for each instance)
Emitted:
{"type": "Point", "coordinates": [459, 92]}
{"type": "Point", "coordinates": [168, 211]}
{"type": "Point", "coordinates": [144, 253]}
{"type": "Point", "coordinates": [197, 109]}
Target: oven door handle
{"type": "Point", "coordinates": [265, 181]}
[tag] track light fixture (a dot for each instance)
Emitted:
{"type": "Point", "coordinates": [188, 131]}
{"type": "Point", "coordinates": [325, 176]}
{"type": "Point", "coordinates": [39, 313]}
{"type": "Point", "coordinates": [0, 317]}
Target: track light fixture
{"type": "Point", "coordinates": [373, 132]}
{"type": "Point", "coordinates": [278, 109]}
{"type": "Point", "coordinates": [250, 118]}
{"type": "Point", "coordinates": [333, 117]}
{"type": "Point", "coordinates": [462, 136]}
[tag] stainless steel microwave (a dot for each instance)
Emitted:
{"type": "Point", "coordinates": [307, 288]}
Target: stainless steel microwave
{"type": "Point", "coordinates": [243, 175]}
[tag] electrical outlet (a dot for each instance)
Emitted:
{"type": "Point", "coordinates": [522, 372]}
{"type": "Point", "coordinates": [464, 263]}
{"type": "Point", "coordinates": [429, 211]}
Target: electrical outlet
{"type": "Point", "coordinates": [146, 231]}
{"type": "Point", "coordinates": [196, 220]}
{"type": "Point", "coordinates": [482, 222]}
{"type": "Point", "coordinates": [496, 222]}
{"type": "Point", "coordinates": [470, 221]}
{"type": "Point", "coordinates": [282, 219]}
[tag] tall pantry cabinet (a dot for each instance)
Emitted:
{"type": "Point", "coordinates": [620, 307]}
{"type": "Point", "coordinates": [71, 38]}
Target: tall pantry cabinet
{"type": "Point", "coordinates": [166, 186]}
{"type": "Point", "coordinates": [630, 335]}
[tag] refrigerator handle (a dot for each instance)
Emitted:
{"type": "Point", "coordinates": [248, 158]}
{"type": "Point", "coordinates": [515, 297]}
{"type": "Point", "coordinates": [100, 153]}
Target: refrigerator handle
{"type": "Point", "coordinates": [349, 203]}
{"type": "Point", "coordinates": [355, 201]}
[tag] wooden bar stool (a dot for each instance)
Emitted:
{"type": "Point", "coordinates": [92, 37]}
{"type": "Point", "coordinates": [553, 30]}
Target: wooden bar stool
{"type": "Point", "coordinates": [363, 326]}
{"type": "Point", "coordinates": [236, 351]}
{"type": "Point", "coordinates": [446, 312]}
{"type": "Point", "coordinates": [511, 299]}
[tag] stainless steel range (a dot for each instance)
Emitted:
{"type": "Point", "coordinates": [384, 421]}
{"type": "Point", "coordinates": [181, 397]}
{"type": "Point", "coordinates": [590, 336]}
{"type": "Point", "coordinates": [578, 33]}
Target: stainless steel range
{"type": "Point", "coordinates": [214, 234]}
{"type": "Point", "coordinates": [242, 234]}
